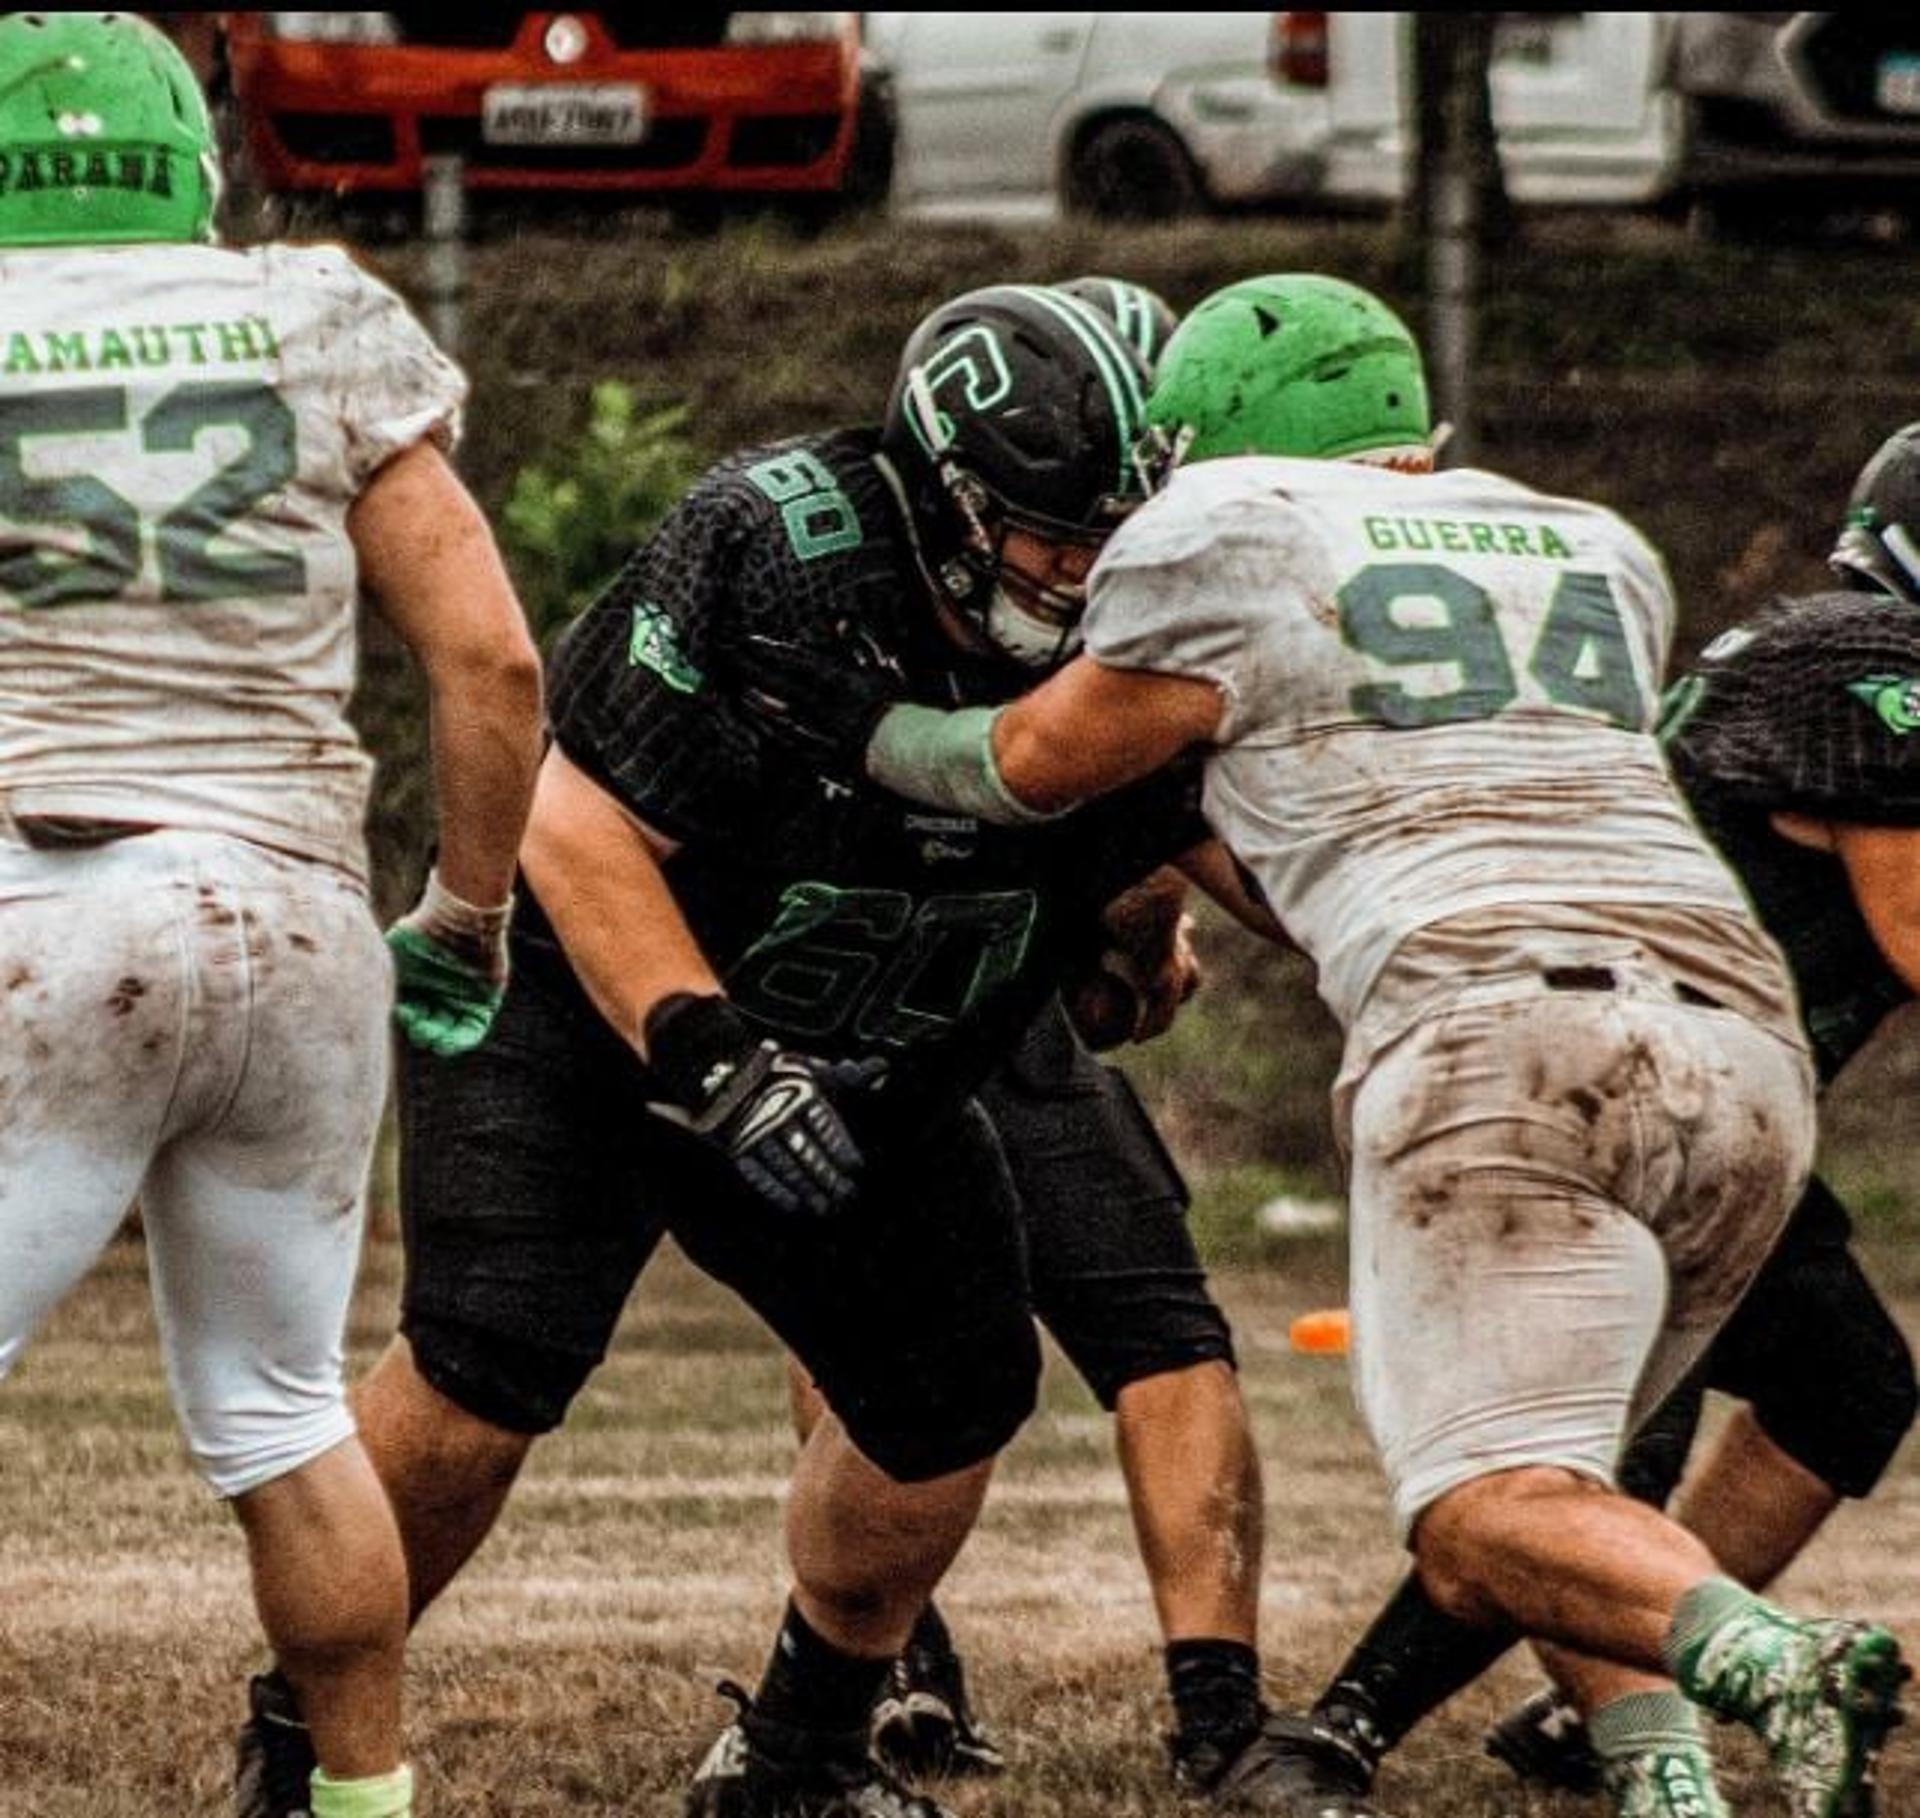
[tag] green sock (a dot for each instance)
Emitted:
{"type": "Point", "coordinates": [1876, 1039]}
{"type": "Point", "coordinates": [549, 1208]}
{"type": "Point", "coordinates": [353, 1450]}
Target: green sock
{"type": "Point", "coordinates": [380, 1796]}
{"type": "Point", "coordinates": [1726, 1647]}
{"type": "Point", "coordinates": [1699, 1612]}
{"type": "Point", "coordinates": [1644, 1723]}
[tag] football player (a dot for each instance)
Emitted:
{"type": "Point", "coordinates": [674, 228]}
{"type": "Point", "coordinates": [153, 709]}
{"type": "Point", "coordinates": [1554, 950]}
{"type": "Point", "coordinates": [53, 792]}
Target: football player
{"type": "Point", "coordinates": [204, 453]}
{"type": "Point", "coordinates": [1575, 1098]}
{"type": "Point", "coordinates": [1100, 1286]}
{"type": "Point", "coordinates": [1797, 743]}
{"type": "Point", "coordinates": [746, 943]}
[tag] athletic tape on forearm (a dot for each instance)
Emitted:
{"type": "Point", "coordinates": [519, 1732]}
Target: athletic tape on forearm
{"type": "Point", "coordinates": [946, 759]}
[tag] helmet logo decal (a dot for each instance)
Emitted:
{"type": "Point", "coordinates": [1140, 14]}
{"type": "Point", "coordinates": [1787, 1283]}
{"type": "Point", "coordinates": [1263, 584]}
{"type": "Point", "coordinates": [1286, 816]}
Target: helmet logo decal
{"type": "Point", "coordinates": [973, 359]}
{"type": "Point", "coordinates": [1895, 698]}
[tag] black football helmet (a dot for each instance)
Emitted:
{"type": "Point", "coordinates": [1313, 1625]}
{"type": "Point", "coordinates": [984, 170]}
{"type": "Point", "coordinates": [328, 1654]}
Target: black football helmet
{"type": "Point", "coordinates": [1015, 407]}
{"type": "Point", "coordinates": [1144, 318]}
{"type": "Point", "coordinates": [1879, 546]}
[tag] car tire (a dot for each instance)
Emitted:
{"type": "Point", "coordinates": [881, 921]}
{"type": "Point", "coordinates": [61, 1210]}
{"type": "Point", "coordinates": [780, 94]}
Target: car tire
{"type": "Point", "coordinates": [1131, 167]}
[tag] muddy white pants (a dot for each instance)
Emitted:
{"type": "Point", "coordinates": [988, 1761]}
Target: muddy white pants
{"type": "Point", "coordinates": [1556, 1203]}
{"type": "Point", "coordinates": [199, 1024]}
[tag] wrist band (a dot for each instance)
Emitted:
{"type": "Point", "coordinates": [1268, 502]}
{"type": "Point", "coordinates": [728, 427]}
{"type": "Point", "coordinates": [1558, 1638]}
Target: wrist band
{"type": "Point", "coordinates": [439, 907]}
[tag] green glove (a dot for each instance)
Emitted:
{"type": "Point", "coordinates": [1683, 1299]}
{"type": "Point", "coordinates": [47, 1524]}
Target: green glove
{"type": "Point", "coordinates": [450, 970]}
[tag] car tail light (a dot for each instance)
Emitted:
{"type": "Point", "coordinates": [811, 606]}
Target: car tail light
{"type": "Point", "coordinates": [785, 28]}
{"type": "Point", "coordinates": [335, 28]}
{"type": "Point", "coordinates": [1298, 50]}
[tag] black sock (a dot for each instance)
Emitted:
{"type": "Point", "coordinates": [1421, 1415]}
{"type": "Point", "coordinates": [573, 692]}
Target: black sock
{"type": "Point", "coordinates": [1216, 1690]}
{"type": "Point", "coordinates": [1411, 1661]}
{"type": "Point", "coordinates": [930, 1632]}
{"type": "Point", "coordinates": [810, 1684]}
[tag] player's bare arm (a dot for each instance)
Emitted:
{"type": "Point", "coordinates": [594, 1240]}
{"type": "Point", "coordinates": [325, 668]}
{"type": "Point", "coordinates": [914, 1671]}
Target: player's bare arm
{"type": "Point", "coordinates": [426, 554]}
{"type": "Point", "coordinates": [1214, 869]}
{"type": "Point", "coordinates": [1087, 731]}
{"type": "Point", "coordinates": [1090, 730]}
{"type": "Point", "coordinates": [596, 870]}
{"type": "Point", "coordinates": [1883, 866]}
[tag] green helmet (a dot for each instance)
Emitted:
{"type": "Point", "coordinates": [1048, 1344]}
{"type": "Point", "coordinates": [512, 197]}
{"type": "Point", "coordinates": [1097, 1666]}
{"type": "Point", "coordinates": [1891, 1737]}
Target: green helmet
{"type": "Point", "coordinates": [104, 134]}
{"type": "Point", "coordinates": [1290, 364]}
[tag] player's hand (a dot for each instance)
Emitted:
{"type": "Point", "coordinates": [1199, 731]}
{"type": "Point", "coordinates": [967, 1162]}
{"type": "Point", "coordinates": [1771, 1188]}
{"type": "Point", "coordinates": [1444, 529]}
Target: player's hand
{"type": "Point", "coordinates": [769, 1110]}
{"type": "Point", "coordinates": [822, 704]}
{"type": "Point", "coordinates": [1147, 970]}
{"type": "Point", "coordinates": [450, 970]}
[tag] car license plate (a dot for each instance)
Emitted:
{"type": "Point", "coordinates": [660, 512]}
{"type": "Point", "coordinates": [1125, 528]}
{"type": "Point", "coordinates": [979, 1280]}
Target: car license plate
{"type": "Point", "coordinates": [563, 113]}
{"type": "Point", "coordinates": [1897, 85]}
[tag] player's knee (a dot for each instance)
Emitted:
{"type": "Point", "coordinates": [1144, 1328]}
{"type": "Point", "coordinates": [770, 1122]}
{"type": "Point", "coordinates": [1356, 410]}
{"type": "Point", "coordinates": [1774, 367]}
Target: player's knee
{"type": "Point", "coordinates": [1450, 1536]}
{"type": "Point", "coordinates": [502, 1382]}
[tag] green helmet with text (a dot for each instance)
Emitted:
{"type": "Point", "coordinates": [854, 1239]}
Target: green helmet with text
{"type": "Point", "coordinates": [1293, 364]}
{"type": "Point", "coordinates": [104, 134]}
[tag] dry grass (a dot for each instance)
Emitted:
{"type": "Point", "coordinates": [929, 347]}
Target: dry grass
{"type": "Point", "coordinates": [569, 1671]}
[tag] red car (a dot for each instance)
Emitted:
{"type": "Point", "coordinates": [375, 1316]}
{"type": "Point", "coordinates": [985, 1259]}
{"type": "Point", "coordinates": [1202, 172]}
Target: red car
{"type": "Point", "coordinates": [648, 100]}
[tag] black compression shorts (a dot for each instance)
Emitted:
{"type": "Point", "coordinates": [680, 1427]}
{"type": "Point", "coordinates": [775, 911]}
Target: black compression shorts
{"type": "Point", "coordinates": [1113, 1270]}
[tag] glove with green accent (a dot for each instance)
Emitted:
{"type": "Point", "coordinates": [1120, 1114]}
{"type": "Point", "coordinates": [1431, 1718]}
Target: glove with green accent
{"type": "Point", "coordinates": [769, 1110]}
{"type": "Point", "coordinates": [450, 970]}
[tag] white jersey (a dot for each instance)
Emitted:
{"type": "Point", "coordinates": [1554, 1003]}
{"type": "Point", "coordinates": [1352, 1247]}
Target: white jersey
{"type": "Point", "coordinates": [182, 432]}
{"type": "Point", "coordinates": [1438, 698]}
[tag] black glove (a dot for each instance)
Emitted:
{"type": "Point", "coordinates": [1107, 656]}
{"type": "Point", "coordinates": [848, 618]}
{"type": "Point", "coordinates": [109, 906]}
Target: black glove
{"type": "Point", "coordinates": [766, 1108]}
{"type": "Point", "coordinates": [822, 704]}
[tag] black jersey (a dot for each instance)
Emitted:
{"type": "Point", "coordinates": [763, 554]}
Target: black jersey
{"type": "Point", "coordinates": [846, 920]}
{"type": "Point", "coordinates": [1813, 708]}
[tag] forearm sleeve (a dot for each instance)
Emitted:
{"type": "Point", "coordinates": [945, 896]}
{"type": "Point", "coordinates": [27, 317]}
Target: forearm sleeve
{"type": "Point", "coordinates": [946, 759]}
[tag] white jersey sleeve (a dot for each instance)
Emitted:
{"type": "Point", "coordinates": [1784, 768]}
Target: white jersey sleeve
{"type": "Point", "coordinates": [183, 430]}
{"type": "Point", "coordinates": [1440, 695]}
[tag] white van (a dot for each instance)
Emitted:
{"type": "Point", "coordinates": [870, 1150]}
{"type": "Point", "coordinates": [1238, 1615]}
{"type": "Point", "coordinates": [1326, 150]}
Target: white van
{"type": "Point", "coordinates": [1165, 113]}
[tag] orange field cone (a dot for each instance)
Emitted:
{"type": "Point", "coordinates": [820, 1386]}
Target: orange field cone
{"type": "Point", "coordinates": [1321, 1333]}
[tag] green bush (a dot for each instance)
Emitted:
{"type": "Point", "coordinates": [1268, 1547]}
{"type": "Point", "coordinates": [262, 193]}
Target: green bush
{"type": "Point", "coordinates": [568, 524]}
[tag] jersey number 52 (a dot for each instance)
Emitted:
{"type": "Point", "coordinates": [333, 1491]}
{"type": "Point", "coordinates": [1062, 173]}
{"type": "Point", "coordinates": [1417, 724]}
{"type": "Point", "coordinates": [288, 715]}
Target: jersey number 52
{"type": "Point", "coordinates": [106, 526]}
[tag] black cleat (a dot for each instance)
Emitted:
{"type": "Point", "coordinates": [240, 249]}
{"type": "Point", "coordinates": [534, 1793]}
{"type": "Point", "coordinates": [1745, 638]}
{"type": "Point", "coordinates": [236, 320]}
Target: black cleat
{"type": "Point", "coordinates": [1291, 1766]}
{"type": "Point", "coordinates": [273, 1755]}
{"type": "Point", "coordinates": [761, 1769]}
{"type": "Point", "coordinates": [923, 1723]}
{"type": "Point", "coordinates": [1545, 1740]}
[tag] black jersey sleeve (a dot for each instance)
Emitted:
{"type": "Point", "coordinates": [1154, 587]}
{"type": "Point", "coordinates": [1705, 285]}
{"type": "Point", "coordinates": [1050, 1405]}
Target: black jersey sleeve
{"type": "Point", "coordinates": [1813, 707]}
{"type": "Point", "coordinates": [790, 541]}
{"type": "Point", "coordinates": [633, 690]}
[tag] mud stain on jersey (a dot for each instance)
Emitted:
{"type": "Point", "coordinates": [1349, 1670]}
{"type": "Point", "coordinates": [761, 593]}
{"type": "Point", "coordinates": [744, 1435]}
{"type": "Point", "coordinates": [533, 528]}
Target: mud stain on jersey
{"type": "Point", "coordinates": [20, 976]}
{"type": "Point", "coordinates": [126, 993]}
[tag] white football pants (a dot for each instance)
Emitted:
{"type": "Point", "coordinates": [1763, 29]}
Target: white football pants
{"type": "Point", "coordinates": [199, 1024]}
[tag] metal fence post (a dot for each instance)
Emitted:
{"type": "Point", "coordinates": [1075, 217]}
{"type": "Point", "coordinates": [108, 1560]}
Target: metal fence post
{"type": "Point", "coordinates": [444, 218]}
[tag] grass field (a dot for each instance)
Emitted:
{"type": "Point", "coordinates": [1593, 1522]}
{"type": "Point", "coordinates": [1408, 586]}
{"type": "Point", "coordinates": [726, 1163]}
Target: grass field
{"type": "Point", "coordinates": [569, 1672]}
